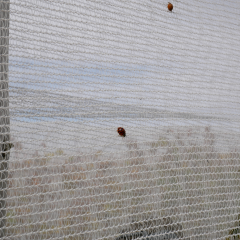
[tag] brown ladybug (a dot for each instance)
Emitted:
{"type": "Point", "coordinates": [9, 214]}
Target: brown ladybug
{"type": "Point", "coordinates": [121, 132]}
{"type": "Point", "coordinates": [170, 7]}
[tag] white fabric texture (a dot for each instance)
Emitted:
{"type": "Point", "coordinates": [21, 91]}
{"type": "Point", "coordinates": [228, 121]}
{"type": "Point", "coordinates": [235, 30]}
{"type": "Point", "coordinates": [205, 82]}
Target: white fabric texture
{"type": "Point", "coordinates": [78, 70]}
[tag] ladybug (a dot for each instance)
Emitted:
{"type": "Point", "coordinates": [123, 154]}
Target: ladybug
{"type": "Point", "coordinates": [121, 132]}
{"type": "Point", "coordinates": [170, 7]}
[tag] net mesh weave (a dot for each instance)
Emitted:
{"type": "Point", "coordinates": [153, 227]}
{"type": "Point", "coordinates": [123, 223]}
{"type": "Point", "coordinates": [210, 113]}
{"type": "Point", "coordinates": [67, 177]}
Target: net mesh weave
{"type": "Point", "coordinates": [78, 70]}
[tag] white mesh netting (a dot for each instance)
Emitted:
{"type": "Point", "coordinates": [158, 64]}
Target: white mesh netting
{"type": "Point", "coordinates": [78, 70]}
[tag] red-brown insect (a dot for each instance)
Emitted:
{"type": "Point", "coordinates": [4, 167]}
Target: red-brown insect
{"type": "Point", "coordinates": [170, 7]}
{"type": "Point", "coordinates": [121, 132]}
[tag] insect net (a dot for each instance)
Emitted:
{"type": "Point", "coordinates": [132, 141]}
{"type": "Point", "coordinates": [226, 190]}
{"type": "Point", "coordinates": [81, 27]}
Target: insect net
{"type": "Point", "coordinates": [76, 71]}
